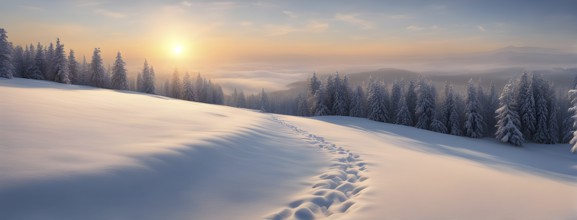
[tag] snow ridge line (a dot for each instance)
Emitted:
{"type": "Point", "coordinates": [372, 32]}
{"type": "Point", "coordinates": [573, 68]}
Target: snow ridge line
{"type": "Point", "coordinates": [335, 188]}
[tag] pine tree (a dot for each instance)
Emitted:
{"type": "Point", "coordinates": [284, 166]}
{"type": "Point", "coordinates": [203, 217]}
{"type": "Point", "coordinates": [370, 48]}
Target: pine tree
{"type": "Point", "coordinates": [438, 126]}
{"type": "Point", "coordinates": [188, 93]}
{"type": "Point", "coordinates": [6, 67]}
{"type": "Point", "coordinates": [241, 100]}
{"type": "Point", "coordinates": [526, 106]}
{"type": "Point", "coordinates": [396, 93]}
{"type": "Point", "coordinates": [449, 113]}
{"type": "Point", "coordinates": [118, 80]}
{"type": "Point", "coordinates": [148, 79]}
{"type": "Point", "coordinates": [357, 103]}
{"type": "Point", "coordinates": [329, 94]}
{"type": "Point", "coordinates": [314, 85]}
{"type": "Point", "coordinates": [541, 133]}
{"type": "Point", "coordinates": [411, 97]}
{"type": "Point", "coordinates": [84, 72]}
{"type": "Point", "coordinates": [474, 124]}
{"type": "Point", "coordinates": [264, 105]}
{"type": "Point", "coordinates": [176, 89]}
{"type": "Point", "coordinates": [200, 89]}
{"type": "Point", "coordinates": [73, 68]}
{"type": "Point", "coordinates": [376, 103]}
{"type": "Point", "coordinates": [573, 96]}
{"type": "Point", "coordinates": [508, 123]}
{"type": "Point", "coordinates": [553, 125]}
{"type": "Point", "coordinates": [139, 83]}
{"type": "Point", "coordinates": [47, 68]}
{"type": "Point", "coordinates": [19, 61]}
{"type": "Point", "coordinates": [425, 111]}
{"type": "Point", "coordinates": [97, 70]}
{"type": "Point", "coordinates": [320, 109]}
{"type": "Point", "coordinates": [403, 116]}
{"type": "Point", "coordinates": [492, 105]}
{"type": "Point", "coordinates": [36, 70]}
{"type": "Point", "coordinates": [302, 106]}
{"type": "Point", "coordinates": [59, 64]}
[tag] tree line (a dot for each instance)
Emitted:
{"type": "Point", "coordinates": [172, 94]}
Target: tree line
{"type": "Point", "coordinates": [51, 63]}
{"type": "Point", "coordinates": [527, 109]}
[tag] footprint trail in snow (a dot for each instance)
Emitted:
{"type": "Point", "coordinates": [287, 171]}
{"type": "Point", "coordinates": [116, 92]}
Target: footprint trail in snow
{"type": "Point", "coordinates": [332, 193]}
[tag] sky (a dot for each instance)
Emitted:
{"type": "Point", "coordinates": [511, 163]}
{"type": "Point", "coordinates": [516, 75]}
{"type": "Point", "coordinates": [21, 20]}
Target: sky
{"type": "Point", "coordinates": [238, 41]}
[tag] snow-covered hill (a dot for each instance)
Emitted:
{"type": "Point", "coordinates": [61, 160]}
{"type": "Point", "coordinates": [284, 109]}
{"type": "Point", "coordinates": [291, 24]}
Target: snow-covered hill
{"type": "Point", "coordinates": [73, 152]}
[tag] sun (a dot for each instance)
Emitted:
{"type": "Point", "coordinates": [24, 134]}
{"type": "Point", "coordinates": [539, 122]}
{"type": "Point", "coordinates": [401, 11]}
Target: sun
{"type": "Point", "coordinates": [177, 49]}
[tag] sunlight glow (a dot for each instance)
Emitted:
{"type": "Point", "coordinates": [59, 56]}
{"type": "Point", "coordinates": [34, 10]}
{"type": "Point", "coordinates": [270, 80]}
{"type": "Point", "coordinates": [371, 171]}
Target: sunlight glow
{"type": "Point", "coordinates": [177, 50]}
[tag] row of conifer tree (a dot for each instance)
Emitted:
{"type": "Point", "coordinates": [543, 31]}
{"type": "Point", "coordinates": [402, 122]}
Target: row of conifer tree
{"type": "Point", "coordinates": [53, 64]}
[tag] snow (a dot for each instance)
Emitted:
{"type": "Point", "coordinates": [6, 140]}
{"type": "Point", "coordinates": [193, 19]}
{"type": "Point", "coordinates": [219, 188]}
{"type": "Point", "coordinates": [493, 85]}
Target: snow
{"type": "Point", "coordinates": [73, 152]}
{"type": "Point", "coordinates": [418, 174]}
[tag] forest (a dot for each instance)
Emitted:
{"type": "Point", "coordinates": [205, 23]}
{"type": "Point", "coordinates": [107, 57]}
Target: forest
{"type": "Point", "coordinates": [526, 109]}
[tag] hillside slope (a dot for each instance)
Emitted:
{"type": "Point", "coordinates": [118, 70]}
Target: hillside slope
{"type": "Point", "coordinates": [73, 152]}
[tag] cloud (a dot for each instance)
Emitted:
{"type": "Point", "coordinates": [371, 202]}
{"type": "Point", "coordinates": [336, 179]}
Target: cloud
{"type": "Point", "coordinates": [31, 8]}
{"type": "Point", "coordinates": [223, 5]}
{"type": "Point", "coordinates": [110, 14]}
{"type": "Point", "coordinates": [399, 17]}
{"type": "Point", "coordinates": [317, 26]}
{"type": "Point", "coordinates": [354, 20]}
{"type": "Point", "coordinates": [422, 28]}
{"type": "Point", "coordinates": [290, 14]}
{"type": "Point", "coordinates": [186, 3]}
{"type": "Point", "coordinates": [481, 28]}
{"type": "Point", "coordinates": [310, 27]}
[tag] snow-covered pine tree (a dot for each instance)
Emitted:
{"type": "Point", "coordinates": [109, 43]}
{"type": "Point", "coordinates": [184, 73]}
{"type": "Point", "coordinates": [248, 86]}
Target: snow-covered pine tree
{"type": "Point", "coordinates": [97, 70]}
{"type": "Point", "coordinates": [573, 108]}
{"type": "Point", "coordinates": [340, 106]}
{"type": "Point", "coordinates": [357, 103]}
{"type": "Point", "coordinates": [541, 133]}
{"type": "Point", "coordinates": [200, 90]}
{"type": "Point", "coordinates": [264, 105]}
{"type": "Point", "coordinates": [411, 97]}
{"type": "Point", "coordinates": [449, 113]}
{"type": "Point", "coordinates": [492, 105]}
{"type": "Point", "coordinates": [59, 64]}
{"type": "Point", "coordinates": [474, 124]}
{"type": "Point", "coordinates": [314, 85]}
{"type": "Point", "coordinates": [36, 71]}
{"type": "Point", "coordinates": [188, 93]}
{"type": "Point", "coordinates": [302, 106]}
{"type": "Point", "coordinates": [425, 111]}
{"type": "Point", "coordinates": [329, 93]}
{"type": "Point", "coordinates": [118, 80]}
{"type": "Point", "coordinates": [18, 61]}
{"type": "Point", "coordinates": [139, 83]}
{"type": "Point", "coordinates": [526, 106]}
{"type": "Point", "coordinates": [377, 110]}
{"type": "Point", "coordinates": [73, 68]}
{"type": "Point", "coordinates": [241, 100]}
{"type": "Point", "coordinates": [553, 118]}
{"type": "Point", "coordinates": [403, 116]}
{"type": "Point", "coordinates": [508, 123]}
{"type": "Point", "coordinates": [47, 69]}
{"type": "Point", "coordinates": [6, 67]}
{"type": "Point", "coordinates": [438, 126]}
{"type": "Point", "coordinates": [84, 75]}
{"type": "Point", "coordinates": [148, 79]}
{"type": "Point", "coordinates": [396, 93]}
{"type": "Point", "coordinates": [320, 108]}
{"type": "Point", "coordinates": [176, 85]}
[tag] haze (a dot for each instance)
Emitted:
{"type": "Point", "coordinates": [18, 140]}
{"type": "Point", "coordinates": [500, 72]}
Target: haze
{"type": "Point", "coordinates": [271, 43]}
